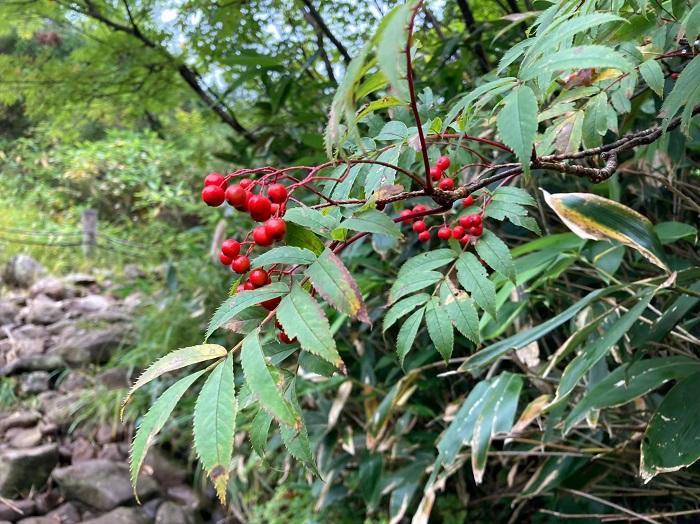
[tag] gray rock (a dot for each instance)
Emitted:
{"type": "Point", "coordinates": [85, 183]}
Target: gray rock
{"type": "Point", "coordinates": [33, 363]}
{"type": "Point", "coordinates": [30, 331]}
{"type": "Point", "coordinates": [120, 516]}
{"type": "Point", "coordinates": [51, 287]}
{"type": "Point", "coordinates": [150, 508]}
{"type": "Point", "coordinates": [91, 346]}
{"type": "Point", "coordinates": [75, 381]}
{"type": "Point", "coordinates": [40, 520]}
{"type": "Point", "coordinates": [58, 408]}
{"type": "Point", "coordinates": [165, 470]}
{"type": "Point", "coordinates": [20, 509]}
{"type": "Point", "coordinates": [34, 382]}
{"type": "Point", "coordinates": [8, 312]}
{"type": "Point", "coordinates": [101, 484]}
{"type": "Point", "coordinates": [22, 469]}
{"type": "Point", "coordinates": [91, 304]}
{"type": "Point", "coordinates": [132, 272]}
{"type": "Point", "coordinates": [65, 514]}
{"type": "Point", "coordinates": [171, 513]}
{"type": "Point", "coordinates": [184, 495]}
{"type": "Point", "coordinates": [80, 279]}
{"type": "Point", "coordinates": [114, 378]}
{"type": "Point", "coordinates": [42, 310]}
{"type": "Point", "coordinates": [18, 419]}
{"type": "Point", "coordinates": [24, 437]}
{"type": "Point", "coordinates": [22, 271]}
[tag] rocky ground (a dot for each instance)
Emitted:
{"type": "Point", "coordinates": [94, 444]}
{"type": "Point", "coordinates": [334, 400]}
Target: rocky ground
{"type": "Point", "coordinates": [54, 335]}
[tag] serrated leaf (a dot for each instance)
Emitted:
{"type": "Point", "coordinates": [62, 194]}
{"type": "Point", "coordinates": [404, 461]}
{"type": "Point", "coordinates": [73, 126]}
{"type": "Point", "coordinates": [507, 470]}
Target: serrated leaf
{"type": "Point", "coordinates": [415, 282]}
{"type": "Point", "coordinates": [439, 327]}
{"type": "Point", "coordinates": [577, 368]}
{"type": "Point", "coordinates": [517, 123]}
{"type": "Point", "coordinates": [296, 440]}
{"type": "Point", "coordinates": [214, 424]}
{"type": "Point", "coordinates": [177, 359]}
{"type": "Point", "coordinates": [671, 440]}
{"type": "Point", "coordinates": [461, 310]}
{"type": "Point", "coordinates": [288, 255]}
{"type": "Point", "coordinates": [403, 307]}
{"type": "Point", "coordinates": [153, 422]}
{"type": "Point", "coordinates": [594, 217]}
{"type": "Point", "coordinates": [372, 221]}
{"type": "Point", "coordinates": [473, 278]}
{"type": "Point", "coordinates": [391, 44]}
{"type": "Point", "coordinates": [259, 430]}
{"type": "Point", "coordinates": [407, 334]}
{"type": "Point", "coordinates": [467, 99]}
{"type": "Point", "coordinates": [312, 219]}
{"type": "Point", "coordinates": [512, 195]}
{"type": "Point", "coordinates": [580, 57]}
{"type": "Point", "coordinates": [630, 381]}
{"type": "Point", "coordinates": [692, 23]}
{"type": "Point", "coordinates": [394, 130]}
{"type": "Point", "coordinates": [336, 285]}
{"type": "Point", "coordinates": [653, 75]}
{"type": "Point", "coordinates": [496, 254]}
{"type": "Point", "coordinates": [261, 383]}
{"type": "Point", "coordinates": [302, 318]}
{"type": "Point", "coordinates": [427, 261]}
{"type": "Point", "coordinates": [380, 175]}
{"type": "Point", "coordinates": [242, 301]}
{"type": "Point", "coordinates": [686, 92]}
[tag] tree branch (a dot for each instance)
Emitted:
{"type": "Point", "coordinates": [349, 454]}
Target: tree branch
{"type": "Point", "coordinates": [326, 31]}
{"type": "Point", "coordinates": [470, 24]}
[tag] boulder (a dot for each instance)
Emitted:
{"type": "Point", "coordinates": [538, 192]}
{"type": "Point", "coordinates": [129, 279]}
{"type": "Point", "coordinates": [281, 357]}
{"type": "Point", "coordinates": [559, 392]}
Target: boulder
{"type": "Point", "coordinates": [8, 312]}
{"type": "Point", "coordinates": [18, 419]}
{"type": "Point", "coordinates": [91, 304]}
{"type": "Point", "coordinates": [164, 469]}
{"type": "Point", "coordinates": [91, 346]}
{"type": "Point", "coordinates": [101, 484]}
{"type": "Point", "coordinates": [22, 469]}
{"type": "Point", "coordinates": [171, 513]}
{"type": "Point", "coordinates": [18, 510]}
{"type": "Point", "coordinates": [34, 383]}
{"type": "Point", "coordinates": [51, 287]}
{"type": "Point", "coordinates": [24, 437]}
{"type": "Point", "coordinates": [65, 514]}
{"type": "Point", "coordinates": [120, 516]}
{"type": "Point", "coordinates": [114, 378]}
{"type": "Point", "coordinates": [42, 310]}
{"type": "Point", "coordinates": [33, 363]}
{"type": "Point", "coordinates": [22, 271]}
{"type": "Point", "coordinates": [185, 496]}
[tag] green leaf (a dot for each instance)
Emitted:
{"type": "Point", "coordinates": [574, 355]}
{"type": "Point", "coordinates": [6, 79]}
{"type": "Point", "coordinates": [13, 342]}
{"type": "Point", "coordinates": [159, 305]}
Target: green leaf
{"type": "Point", "coordinates": [415, 282]}
{"type": "Point", "coordinates": [580, 57]}
{"type": "Point", "coordinates": [473, 278]}
{"type": "Point", "coordinates": [426, 261]}
{"type": "Point", "coordinates": [303, 238]}
{"type": "Point", "coordinates": [403, 307]}
{"type": "Point", "coordinates": [261, 383]}
{"type": "Point", "coordinates": [312, 219]}
{"type": "Point", "coordinates": [692, 23]}
{"type": "Point", "coordinates": [630, 381]}
{"type": "Point", "coordinates": [517, 123]}
{"type": "Point", "coordinates": [407, 334]}
{"type": "Point", "coordinates": [672, 438]}
{"type": "Point", "coordinates": [302, 318]}
{"type": "Point", "coordinates": [521, 339]}
{"type": "Point", "coordinates": [669, 232]}
{"type": "Point", "coordinates": [174, 360]}
{"type": "Point", "coordinates": [372, 221]}
{"type": "Point", "coordinates": [288, 255]}
{"type": "Point", "coordinates": [461, 310]}
{"type": "Point", "coordinates": [379, 175]}
{"type": "Point", "coordinates": [592, 353]}
{"type": "Point", "coordinates": [594, 217]}
{"type": "Point", "coordinates": [467, 99]}
{"type": "Point", "coordinates": [383, 103]}
{"type": "Point", "coordinates": [242, 301]}
{"type": "Point", "coordinates": [391, 42]}
{"type": "Point", "coordinates": [296, 440]}
{"type": "Point", "coordinates": [259, 430]}
{"type": "Point", "coordinates": [154, 420]}
{"type": "Point", "coordinates": [686, 92]}
{"type": "Point", "coordinates": [653, 75]}
{"type": "Point", "coordinates": [394, 130]}
{"type": "Point", "coordinates": [496, 254]}
{"type": "Point", "coordinates": [439, 327]}
{"type": "Point", "coordinates": [336, 285]}
{"type": "Point", "coordinates": [674, 312]}
{"type": "Point", "coordinates": [214, 424]}
{"type": "Point", "coordinates": [512, 195]}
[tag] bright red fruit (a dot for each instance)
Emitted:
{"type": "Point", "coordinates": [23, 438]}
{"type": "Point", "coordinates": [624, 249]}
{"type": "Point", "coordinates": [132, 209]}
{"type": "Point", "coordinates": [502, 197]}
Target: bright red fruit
{"type": "Point", "coordinates": [424, 236]}
{"type": "Point", "coordinates": [466, 221]}
{"type": "Point", "coordinates": [236, 196]}
{"type": "Point", "coordinates": [476, 231]}
{"type": "Point", "coordinates": [272, 303]}
{"type": "Point", "coordinates": [477, 220]}
{"type": "Point", "coordinates": [245, 183]}
{"type": "Point", "coordinates": [240, 288]}
{"type": "Point", "coordinates": [277, 193]}
{"type": "Point", "coordinates": [231, 248]}
{"type": "Point", "coordinates": [213, 195]}
{"type": "Point", "coordinates": [248, 286]}
{"type": "Point", "coordinates": [419, 226]}
{"type": "Point", "coordinates": [284, 338]}
{"type": "Point", "coordinates": [241, 264]}
{"type": "Point", "coordinates": [259, 277]}
{"type": "Point", "coordinates": [674, 76]}
{"type": "Point", "coordinates": [464, 240]}
{"type": "Point", "coordinates": [419, 208]}
{"type": "Point", "coordinates": [261, 237]}
{"type": "Point", "coordinates": [405, 213]}
{"type": "Point", "coordinates": [224, 259]}
{"type": "Point", "coordinates": [214, 179]}
{"type": "Point", "coordinates": [446, 184]}
{"type": "Point", "coordinates": [457, 232]}
{"type": "Point", "coordinates": [259, 208]}
{"type": "Point", "coordinates": [274, 208]}
{"type": "Point", "coordinates": [275, 228]}
{"type": "Point", "coordinates": [468, 201]}
{"type": "Point", "coordinates": [443, 163]}
{"type": "Point", "coordinates": [444, 233]}
{"type": "Point", "coordinates": [435, 173]}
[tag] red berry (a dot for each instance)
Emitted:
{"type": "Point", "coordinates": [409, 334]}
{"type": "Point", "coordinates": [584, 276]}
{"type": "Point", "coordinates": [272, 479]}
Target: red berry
{"type": "Point", "coordinates": [213, 195]}
{"type": "Point", "coordinates": [240, 288]}
{"type": "Point", "coordinates": [259, 208]}
{"type": "Point", "coordinates": [261, 237]}
{"type": "Point", "coordinates": [245, 183]}
{"type": "Point", "coordinates": [466, 221]}
{"type": "Point", "coordinates": [248, 286]}
{"type": "Point", "coordinates": [674, 76]}
{"type": "Point", "coordinates": [424, 236]}
{"type": "Point", "coordinates": [435, 173]}
{"type": "Point", "coordinates": [274, 208]}
{"type": "Point", "coordinates": [284, 338]}
{"type": "Point", "coordinates": [405, 213]}
{"type": "Point", "coordinates": [214, 179]}
{"type": "Point", "coordinates": [241, 264]}
{"type": "Point", "coordinates": [419, 208]}
{"type": "Point", "coordinates": [477, 220]}
{"type": "Point", "coordinates": [419, 226]}
{"type": "Point", "coordinates": [272, 303]}
{"type": "Point", "coordinates": [468, 201]}
{"type": "Point", "coordinates": [457, 232]}
{"type": "Point", "coordinates": [275, 228]}
{"type": "Point", "coordinates": [444, 233]}
{"type": "Point", "coordinates": [476, 231]}
{"type": "Point", "coordinates": [277, 193]}
{"type": "Point", "coordinates": [231, 248]}
{"type": "Point", "coordinates": [446, 184]}
{"type": "Point", "coordinates": [259, 277]}
{"type": "Point", "coordinates": [224, 259]}
{"type": "Point", "coordinates": [443, 163]}
{"type": "Point", "coordinates": [237, 196]}
{"type": "Point", "coordinates": [464, 240]}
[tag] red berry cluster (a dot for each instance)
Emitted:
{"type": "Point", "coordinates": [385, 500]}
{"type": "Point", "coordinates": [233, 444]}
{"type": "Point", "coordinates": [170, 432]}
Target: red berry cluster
{"type": "Point", "coordinates": [266, 209]}
{"type": "Point", "coordinates": [466, 228]}
{"type": "Point", "coordinates": [437, 174]}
